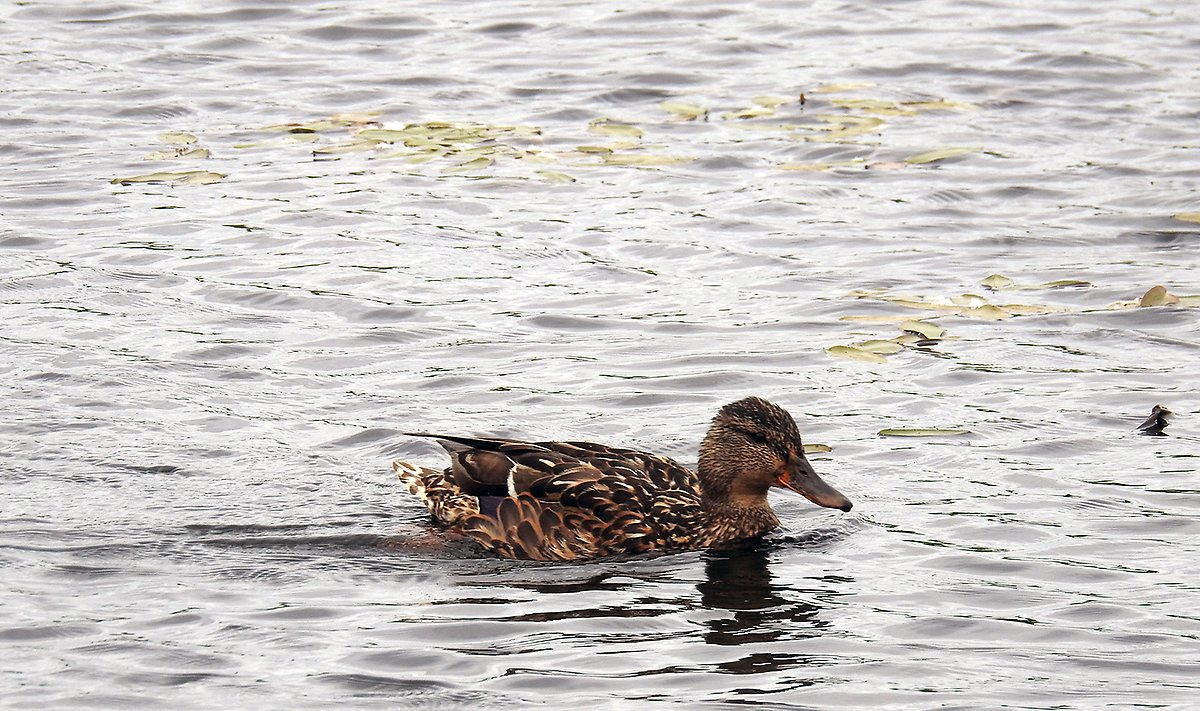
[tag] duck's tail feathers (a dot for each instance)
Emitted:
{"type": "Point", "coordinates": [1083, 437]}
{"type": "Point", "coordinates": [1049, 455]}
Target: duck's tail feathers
{"type": "Point", "coordinates": [445, 501]}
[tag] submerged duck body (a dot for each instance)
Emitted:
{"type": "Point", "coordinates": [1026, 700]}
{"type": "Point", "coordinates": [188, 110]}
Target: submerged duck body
{"type": "Point", "coordinates": [578, 500]}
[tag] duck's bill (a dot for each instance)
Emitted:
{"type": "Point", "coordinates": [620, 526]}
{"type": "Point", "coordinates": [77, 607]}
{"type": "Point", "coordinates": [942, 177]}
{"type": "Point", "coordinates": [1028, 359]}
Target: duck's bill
{"type": "Point", "coordinates": [801, 478]}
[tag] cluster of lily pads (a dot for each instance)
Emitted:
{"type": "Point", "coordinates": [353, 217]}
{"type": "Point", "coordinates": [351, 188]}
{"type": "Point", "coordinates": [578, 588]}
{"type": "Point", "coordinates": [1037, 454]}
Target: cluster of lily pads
{"type": "Point", "coordinates": [474, 149]}
{"type": "Point", "coordinates": [922, 333]}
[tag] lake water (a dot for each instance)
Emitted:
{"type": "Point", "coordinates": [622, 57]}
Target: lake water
{"type": "Point", "coordinates": [204, 382]}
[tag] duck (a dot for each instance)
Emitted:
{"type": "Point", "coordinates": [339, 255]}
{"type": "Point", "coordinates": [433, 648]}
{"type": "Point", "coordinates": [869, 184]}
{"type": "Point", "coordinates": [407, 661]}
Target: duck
{"type": "Point", "coordinates": [567, 501]}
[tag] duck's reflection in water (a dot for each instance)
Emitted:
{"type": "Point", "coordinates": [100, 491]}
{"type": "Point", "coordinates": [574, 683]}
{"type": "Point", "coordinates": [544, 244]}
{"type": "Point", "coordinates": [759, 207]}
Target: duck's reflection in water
{"type": "Point", "coordinates": [763, 611]}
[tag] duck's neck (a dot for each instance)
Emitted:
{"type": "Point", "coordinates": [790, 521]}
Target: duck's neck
{"type": "Point", "coordinates": [733, 521]}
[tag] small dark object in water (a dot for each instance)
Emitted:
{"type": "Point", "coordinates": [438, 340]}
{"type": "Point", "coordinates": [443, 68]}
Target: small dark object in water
{"type": "Point", "coordinates": [1156, 422]}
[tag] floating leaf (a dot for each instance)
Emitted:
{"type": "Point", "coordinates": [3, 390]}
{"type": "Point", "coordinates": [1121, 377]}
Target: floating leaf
{"type": "Point", "coordinates": [387, 135]}
{"type": "Point", "coordinates": [969, 301]}
{"type": "Point", "coordinates": [939, 154]}
{"type": "Point", "coordinates": [177, 138]}
{"type": "Point", "coordinates": [873, 106]}
{"type": "Point", "coordinates": [1060, 283]}
{"type": "Point", "coordinates": [470, 166]}
{"type": "Point", "coordinates": [852, 353]}
{"type": "Point", "coordinates": [190, 177]}
{"type": "Point", "coordinates": [806, 167]}
{"type": "Point", "coordinates": [939, 105]}
{"type": "Point", "coordinates": [816, 448]}
{"type": "Point", "coordinates": [343, 148]}
{"type": "Point", "coordinates": [880, 346]}
{"type": "Point", "coordinates": [997, 282]}
{"type": "Point", "coordinates": [838, 88]}
{"type": "Point", "coordinates": [923, 328]}
{"type": "Point", "coordinates": [356, 116]}
{"type": "Point", "coordinates": [1187, 216]}
{"type": "Point", "coordinates": [987, 312]}
{"type": "Point", "coordinates": [1026, 309]}
{"type": "Point", "coordinates": [593, 149]}
{"type": "Point", "coordinates": [605, 127]}
{"type": "Point", "coordinates": [640, 159]}
{"type": "Point", "coordinates": [921, 432]}
{"type": "Point", "coordinates": [686, 112]}
{"type": "Point", "coordinates": [1158, 296]}
{"type": "Point", "coordinates": [1189, 300]}
{"type": "Point", "coordinates": [749, 113]}
{"type": "Point", "coordinates": [770, 102]}
{"type": "Point", "coordinates": [555, 176]}
{"type": "Point", "coordinates": [874, 319]}
{"type": "Point", "coordinates": [196, 154]}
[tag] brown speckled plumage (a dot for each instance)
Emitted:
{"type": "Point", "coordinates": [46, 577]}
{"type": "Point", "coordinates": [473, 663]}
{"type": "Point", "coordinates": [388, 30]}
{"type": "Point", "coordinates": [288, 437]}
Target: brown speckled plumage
{"type": "Point", "coordinates": [576, 500]}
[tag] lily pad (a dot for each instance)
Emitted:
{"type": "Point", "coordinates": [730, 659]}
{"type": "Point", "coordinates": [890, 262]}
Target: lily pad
{"type": "Point", "coordinates": [177, 138]}
{"type": "Point", "coordinates": [987, 312]}
{"type": "Point", "coordinates": [749, 113]}
{"type": "Point", "coordinates": [605, 127]}
{"type": "Point", "coordinates": [996, 282]}
{"type": "Point", "coordinates": [471, 166]}
{"type": "Point", "coordinates": [840, 87]}
{"type": "Point", "coordinates": [684, 111]}
{"type": "Point", "coordinates": [770, 102]}
{"type": "Point", "coordinates": [594, 149]}
{"type": "Point", "coordinates": [554, 176]}
{"type": "Point", "coordinates": [1187, 216]}
{"type": "Point", "coordinates": [923, 328]}
{"type": "Point", "coordinates": [852, 353]}
{"type": "Point", "coordinates": [817, 448]}
{"type": "Point", "coordinates": [937, 155]}
{"type": "Point", "coordinates": [1158, 296]}
{"type": "Point", "coordinates": [921, 432]}
{"type": "Point", "coordinates": [880, 346]}
{"type": "Point", "coordinates": [640, 159]}
{"type": "Point", "coordinates": [189, 177]}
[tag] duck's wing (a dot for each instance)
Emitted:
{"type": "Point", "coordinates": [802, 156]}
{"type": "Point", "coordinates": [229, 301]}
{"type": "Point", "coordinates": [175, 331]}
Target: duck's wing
{"type": "Point", "coordinates": [570, 500]}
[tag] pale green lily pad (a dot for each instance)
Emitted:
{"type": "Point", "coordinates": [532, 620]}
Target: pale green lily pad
{"type": "Point", "coordinates": [997, 282]}
{"type": "Point", "coordinates": [471, 166]}
{"type": "Point", "coordinates": [749, 113]}
{"type": "Point", "coordinates": [606, 127]}
{"type": "Point", "coordinates": [1187, 216]}
{"type": "Point", "coordinates": [343, 148]}
{"type": "Point", "coordinates": [987, 312]}
{"type": "Point", "coordinates": [939, 105]}
{"type": "Point", "coordinates": [640, 159]}
{"type": "Point", "coordinates": [177, 138]}
{"type": "Point", "coordinates": [188, 177]}
{"type": "Point", "coordinates": [1193, 300]}
{"type": "Point", "coordinates": [1060, 283]}
{"type": "Point", "coordinates": [1027, 309]}
{"type": "Point", "coordinates": [840, 87]}
{"type": "Point", "coordinates": [594, 149]}
{"type": "Point", "coordinates": [770, 101]}
{"type": "Point", "coordinates": [937, 155]}
{"type": "Point", "coordinates": [852, 353]}
{"type": "Point", "coordinates": [684, 111]}
{"type": "Point", "coordinates": [817, 448]}
{"type": "Point", "coordinates": [880, 346]}
{"type": "Point", "coordinates": [554, 176]}
{"type": "Point", "coordinates": [923, 328]}
{"type": "Point", "coordinates": [968, 301]}
{"type": "Point", "coordinates": [921, 432]}
{"type": "Point", "coordinates": [1158, 296]}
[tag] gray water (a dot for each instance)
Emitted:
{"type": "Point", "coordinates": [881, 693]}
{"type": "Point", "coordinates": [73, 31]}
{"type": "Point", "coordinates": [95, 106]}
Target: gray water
{"type": "Point", "coordinates": [203, 384]}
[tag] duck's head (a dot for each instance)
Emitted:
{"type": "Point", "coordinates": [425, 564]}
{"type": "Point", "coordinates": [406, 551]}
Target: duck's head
{"type": "Point", "coordinates": [753, 445]}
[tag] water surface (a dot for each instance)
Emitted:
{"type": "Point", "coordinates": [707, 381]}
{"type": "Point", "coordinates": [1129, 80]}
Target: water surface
{"type": "Point", "coordinates": [204, 384]}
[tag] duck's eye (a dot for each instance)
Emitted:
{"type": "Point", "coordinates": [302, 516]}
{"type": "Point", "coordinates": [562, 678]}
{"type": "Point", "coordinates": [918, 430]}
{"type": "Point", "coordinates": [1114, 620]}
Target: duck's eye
{"type": "Point", "coordinates": [756, 437]}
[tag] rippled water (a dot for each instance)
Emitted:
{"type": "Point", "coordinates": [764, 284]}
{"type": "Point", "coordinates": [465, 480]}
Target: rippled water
{"type": "Point", "coordinates": [204, 384]}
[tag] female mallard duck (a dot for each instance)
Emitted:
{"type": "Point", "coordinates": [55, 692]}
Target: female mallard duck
{"type": "Point", "coordinates": [574, 500]}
